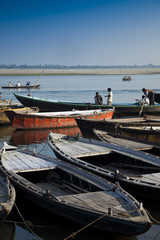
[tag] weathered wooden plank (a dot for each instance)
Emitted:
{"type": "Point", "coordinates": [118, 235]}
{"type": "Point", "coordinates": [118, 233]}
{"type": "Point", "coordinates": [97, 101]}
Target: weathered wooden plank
{"type": "Point", "coordinates": [78, 149]}
{"type": "Point", "coordinates": [24, 162]}
{"type": "Point", "coordinates": [96, 200]}
{"type": "Point", "coordinates": [151, 178]}
{"type": "Point", "coordinates": [127, 143]}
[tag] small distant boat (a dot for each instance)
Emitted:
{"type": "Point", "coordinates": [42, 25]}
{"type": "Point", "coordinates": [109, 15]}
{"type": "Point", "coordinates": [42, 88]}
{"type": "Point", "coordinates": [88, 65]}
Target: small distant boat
{"type": "Point", "coordinates": [127, 78]}
{"type": "Point", "coordinates": [7, 196]}
{"type": "Point", "coordinates": [138, 172]}
{"type": "Point", "coordinates": [45, 120]}
{"type": "Point", "coordinates": [21, 86]}
{"type": "Point", "coordinates": [73, 193]}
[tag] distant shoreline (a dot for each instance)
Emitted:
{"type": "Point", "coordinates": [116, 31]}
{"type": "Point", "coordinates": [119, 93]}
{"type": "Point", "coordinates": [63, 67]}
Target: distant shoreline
{"type": "Point", "coordinates": [87, 71]}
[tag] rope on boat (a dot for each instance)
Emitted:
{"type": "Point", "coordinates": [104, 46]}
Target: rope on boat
{"type": "Point", "coordinates": [41, 149]}
{"type": "Point", "coordinates": [75, 233]}
{"type": "Point", "coordinates": [26, 224]}
{"type": "Point", "coordinates": [152, 217]}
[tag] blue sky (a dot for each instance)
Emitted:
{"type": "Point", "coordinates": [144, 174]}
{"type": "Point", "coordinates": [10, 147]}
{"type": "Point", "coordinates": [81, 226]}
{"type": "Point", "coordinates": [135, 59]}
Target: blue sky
{"type": "Point", "coordinates": [80, 32]}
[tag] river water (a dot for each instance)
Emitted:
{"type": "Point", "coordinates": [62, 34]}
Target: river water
{"type": "Point", "coordinates": [75, 88]}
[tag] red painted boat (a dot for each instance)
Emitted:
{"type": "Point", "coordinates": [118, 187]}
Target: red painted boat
{"type": "Point", "coordinates": [55, 119]}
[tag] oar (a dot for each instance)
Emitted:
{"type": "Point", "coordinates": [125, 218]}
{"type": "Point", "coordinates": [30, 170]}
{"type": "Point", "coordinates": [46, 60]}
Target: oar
{"type": "Point", "coordinates": [140, 112]}
{"type": "Point", "coordinates": [35, 84]}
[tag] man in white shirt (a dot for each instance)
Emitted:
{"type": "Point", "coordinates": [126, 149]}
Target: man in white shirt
{"type": "Point", "coordinates": [18, 84]}
{"type": "Point", "coordinates": [109, 97]}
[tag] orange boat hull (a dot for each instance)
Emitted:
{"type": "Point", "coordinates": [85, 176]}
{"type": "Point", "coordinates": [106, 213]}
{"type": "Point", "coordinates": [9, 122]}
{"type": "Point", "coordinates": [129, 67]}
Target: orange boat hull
{"type": "Point", "coordinates": [28, 121]}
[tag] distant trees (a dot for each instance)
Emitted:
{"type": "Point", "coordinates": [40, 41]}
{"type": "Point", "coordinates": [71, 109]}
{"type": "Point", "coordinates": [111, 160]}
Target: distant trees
{"type": "Point", "coordinates": [52, 66]}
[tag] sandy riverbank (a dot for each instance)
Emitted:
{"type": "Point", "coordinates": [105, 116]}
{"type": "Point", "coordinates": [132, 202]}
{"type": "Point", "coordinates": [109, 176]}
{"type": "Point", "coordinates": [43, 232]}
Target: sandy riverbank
{"type": "Point", "coordinates": [95, 71]}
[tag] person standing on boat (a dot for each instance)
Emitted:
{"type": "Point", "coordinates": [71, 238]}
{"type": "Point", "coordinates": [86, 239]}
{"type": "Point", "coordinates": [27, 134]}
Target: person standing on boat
{"type": "Point", "coordinates": [150, 94]}
{"type": "Point", "coordinates": [98, 99]}
{"type": "Point", "coordinates": [9, 84]}
{"type": "Point", "coordinates": [109, 97]}
{"type": "Point", "coordinates": [18, 84]}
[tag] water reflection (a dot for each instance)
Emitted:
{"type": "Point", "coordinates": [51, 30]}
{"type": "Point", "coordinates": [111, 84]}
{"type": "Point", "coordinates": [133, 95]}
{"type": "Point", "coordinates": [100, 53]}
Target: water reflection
{"type": "Point", "coordinates": [26, 137]}
{"type": "Point", "coordinates": [5, 133]}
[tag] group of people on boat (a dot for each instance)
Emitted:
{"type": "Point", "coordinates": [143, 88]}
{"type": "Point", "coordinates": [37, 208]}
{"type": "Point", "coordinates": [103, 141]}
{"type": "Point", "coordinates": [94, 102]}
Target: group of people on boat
{"type": "Point", "coordinates": [147, 97]}
{"type": "Point", "coordinates": [99, 99]}
{"type": "Point", "coordinates": [19, 84]}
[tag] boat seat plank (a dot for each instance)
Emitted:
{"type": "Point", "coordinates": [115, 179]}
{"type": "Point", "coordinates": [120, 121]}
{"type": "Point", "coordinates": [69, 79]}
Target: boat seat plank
{"type": "Point", "coordinates": [79, 149]}
{"type": "Point", "coordinates": [24, 162]}
{"type": "Point", "coordinates": [152, 178]}
{"type": "Point", "coordinates": [146, 158]}
{"type": "Point", "coordinates": [96, 200]}
{"type": "Point", "coordinates": [83, 148]}
{"type": "Point", "coordinates": [128, 143]}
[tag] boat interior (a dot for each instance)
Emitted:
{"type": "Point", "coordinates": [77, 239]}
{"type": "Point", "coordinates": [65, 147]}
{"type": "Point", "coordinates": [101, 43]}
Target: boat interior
{"type": "Point", "coordinates": [114, 161]}
{"type": "Point", "coordinates": [67, 187]}
{"type": "Point", "coordinates": [59, 182]}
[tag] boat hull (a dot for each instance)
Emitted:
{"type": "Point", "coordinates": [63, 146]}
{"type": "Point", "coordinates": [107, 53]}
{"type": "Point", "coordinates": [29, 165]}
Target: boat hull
{"type": "Point", "coordinates": [4, 120]}
{"type": "Point", "coordinates": [140, 133]}
{"type": "Point", "coordinates": [24, 86]}
{"type": "Point", "coordinates": [8, 195]}
{"type": "Point", "coordinates": [45, 105]}
{"type": "Point", "coordinates": [86, 126]}
{"type": "Point", "coordinates": [40, 121]}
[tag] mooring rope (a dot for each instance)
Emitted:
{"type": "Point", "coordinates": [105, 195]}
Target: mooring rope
{"type": "Point", "coordinates": [152, 217]}
{"type": "Point", "coordinates": [75, 233]}
{"type": "Point", "coordinates": [26, 224]}
{"type": "Point", "coordinates": [43, 147]}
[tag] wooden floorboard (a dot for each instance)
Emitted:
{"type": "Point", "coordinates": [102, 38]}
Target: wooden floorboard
{"type": "Point", "coordinates": [24, 162]}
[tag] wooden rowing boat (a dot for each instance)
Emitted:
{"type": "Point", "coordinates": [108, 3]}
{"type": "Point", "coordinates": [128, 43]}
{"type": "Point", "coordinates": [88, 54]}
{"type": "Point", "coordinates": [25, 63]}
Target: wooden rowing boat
{"type": "Point", "coordinates": [54, 119]}
{"type": "Point", "coordinates": [73, 193]}
{"type": "Point", "coordinates": [130, 142]}
{"type": "Point", "coordinates": [127, 78]}
{"type": "Point", "coordinates": [138, 172]}
{"type": "Point", "coordinates": [149, 133]}
{"type": "Point", "coordinates": [22, 86]}
{"type": "Point", "coordinates": [112, 125]}
{"type": "Point", "coordinates": [4, 120]}
{"type": "Point", "coordinates": [7, 196]}
{"type": "Point", "coordinates": [51, 105]}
